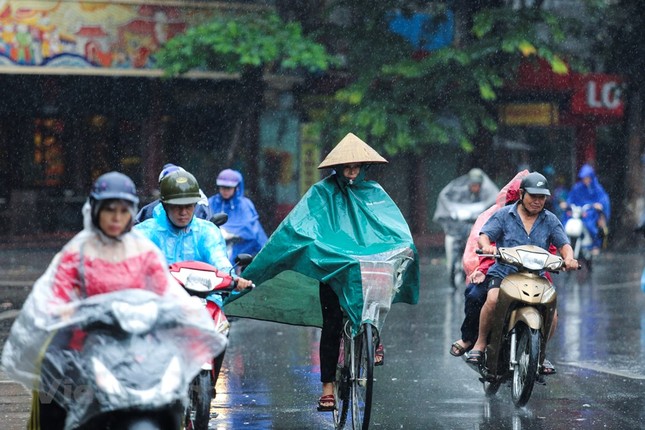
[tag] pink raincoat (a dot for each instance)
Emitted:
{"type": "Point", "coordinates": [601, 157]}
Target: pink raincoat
{"type": "Point", "coordinates": [508, 194]}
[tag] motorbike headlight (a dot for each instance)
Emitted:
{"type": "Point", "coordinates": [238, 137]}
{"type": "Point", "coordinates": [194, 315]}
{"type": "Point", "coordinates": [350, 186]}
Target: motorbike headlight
{"type": "Point", "coordinates": [172, 380]}
{"type": "Point", "coordinates": [105, 380]}
{"type": "Point", "coordinates": [137, 318]}
{"type": "Point", "coordinates": [532, 260]}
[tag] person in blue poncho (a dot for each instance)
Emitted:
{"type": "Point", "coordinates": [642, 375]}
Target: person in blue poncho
{"type": "Point", "coordinates": [243, 231]}
{"type": "Point", "coordinates": [589, 191]}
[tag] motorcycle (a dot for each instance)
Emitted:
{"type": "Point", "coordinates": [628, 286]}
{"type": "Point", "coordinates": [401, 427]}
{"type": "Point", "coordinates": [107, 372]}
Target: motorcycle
{"type": "Point", "coordinates": [123, 360]}
{"type": "Point", "coordinates": [457, 226]}
{"type": "Point", "coordinates": [521, 323]}
{"type": "Point", "coordinates": [579, 235]}
{"type": "Point", "coordinates": [206, 281]}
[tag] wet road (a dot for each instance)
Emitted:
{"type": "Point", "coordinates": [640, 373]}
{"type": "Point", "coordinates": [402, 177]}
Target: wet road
{"type": "Point", "coordinates": [270, 375]}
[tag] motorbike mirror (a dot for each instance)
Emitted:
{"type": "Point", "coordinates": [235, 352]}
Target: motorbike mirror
{"type": "Point", "coordinates": [243, 260]}
{"type": "Point", "coordinates": [219, 219]}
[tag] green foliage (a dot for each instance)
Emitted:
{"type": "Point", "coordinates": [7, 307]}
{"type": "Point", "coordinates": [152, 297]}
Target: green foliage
{"type": "Point", "coordinates": [234, 43]}
{"type": "Point", "coordinates": [400, 104]}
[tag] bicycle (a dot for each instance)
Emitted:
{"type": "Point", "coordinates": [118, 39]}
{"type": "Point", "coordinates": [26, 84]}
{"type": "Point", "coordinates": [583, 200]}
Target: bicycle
{"type": "Point", "coordinates": [381, 277]}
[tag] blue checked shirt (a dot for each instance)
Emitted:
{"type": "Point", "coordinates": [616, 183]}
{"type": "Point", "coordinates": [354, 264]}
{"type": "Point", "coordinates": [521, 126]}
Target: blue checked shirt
{"type": "Point", "coordinates": [505, 228]}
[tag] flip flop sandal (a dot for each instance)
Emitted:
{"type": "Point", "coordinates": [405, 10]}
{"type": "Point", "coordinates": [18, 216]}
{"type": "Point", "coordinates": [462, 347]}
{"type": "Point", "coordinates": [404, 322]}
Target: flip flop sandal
{"type": "Point", "coordinates": [475, 357]}
{"type": "Point", "coordinates": [461, 350]}
{"type": "Point", "coordinates": [324, 403]}
{"type": "Point", "coordinates": [380, 354]}
{"type": "Point", "coordinates": [547, 368]}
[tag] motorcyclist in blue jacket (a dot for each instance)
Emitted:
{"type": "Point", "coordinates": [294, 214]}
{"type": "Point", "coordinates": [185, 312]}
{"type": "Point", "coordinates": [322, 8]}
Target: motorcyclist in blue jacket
{"type": "Point", "coordinates": [589, 191]}
{"type": "Point", "coordinates": [176, 230]}
{"type": "Point", "coordinates": [182, 236]}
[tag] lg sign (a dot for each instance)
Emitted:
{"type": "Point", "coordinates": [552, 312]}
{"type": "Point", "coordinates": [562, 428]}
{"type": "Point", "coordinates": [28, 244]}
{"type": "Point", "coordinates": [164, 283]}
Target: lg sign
{"type": "Point", "coordinates": [606, 96]}
{"type": "Point", "coordinates": [597, 94]}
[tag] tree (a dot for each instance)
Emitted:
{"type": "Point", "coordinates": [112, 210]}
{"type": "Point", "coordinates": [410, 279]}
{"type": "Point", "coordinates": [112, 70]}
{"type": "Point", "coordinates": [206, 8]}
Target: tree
{"type": "Point", "coordinates": [619, 38]}
{"type": "Point", "coordinates": [404, 100]}
{"type": "Point", "coordinates": [247, 45]}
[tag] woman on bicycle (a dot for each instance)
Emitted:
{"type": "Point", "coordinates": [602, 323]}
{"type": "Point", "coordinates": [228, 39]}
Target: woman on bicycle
{"type": "Point", "coordinates": [307, 273]}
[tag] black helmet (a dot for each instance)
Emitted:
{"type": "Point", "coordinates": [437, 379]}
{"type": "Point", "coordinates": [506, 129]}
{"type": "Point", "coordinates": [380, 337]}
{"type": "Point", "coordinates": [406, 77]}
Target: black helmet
{"type": "Point", "coordinates": [179, 188]}
{"type": "Point", "coordinates": [535, 183]}
{"type": "Point", "coordinates": [114, 185]}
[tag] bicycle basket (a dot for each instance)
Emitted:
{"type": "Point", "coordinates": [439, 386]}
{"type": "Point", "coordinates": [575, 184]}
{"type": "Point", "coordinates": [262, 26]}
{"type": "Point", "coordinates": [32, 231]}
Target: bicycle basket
{"type": "Point", "coordinates": [382, 276]}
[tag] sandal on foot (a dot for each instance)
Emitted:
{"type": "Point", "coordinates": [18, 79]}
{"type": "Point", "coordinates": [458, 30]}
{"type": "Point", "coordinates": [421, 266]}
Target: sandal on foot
{"type": "Point", "coordinates": [457, 350]}
{"type": "Point", "coordinates": [547, 368]}
{"type": "Point", "coordinates": [379, 356]}
{"type": "Point", "coordinates": [475, 357]}
{"type": "Point", "coordinates": [326, 403]}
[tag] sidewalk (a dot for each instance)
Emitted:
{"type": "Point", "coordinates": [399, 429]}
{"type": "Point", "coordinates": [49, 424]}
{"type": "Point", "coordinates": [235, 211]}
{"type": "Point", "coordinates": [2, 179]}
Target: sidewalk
{"type": "Point", "coordinates": [21, 263]}
{"type": "Point", "coordinates": [15, 403]}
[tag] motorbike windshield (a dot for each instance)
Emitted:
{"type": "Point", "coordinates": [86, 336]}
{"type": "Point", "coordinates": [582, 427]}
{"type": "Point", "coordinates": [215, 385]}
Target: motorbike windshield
{"type": "Point", "coordinates": [330, 236]}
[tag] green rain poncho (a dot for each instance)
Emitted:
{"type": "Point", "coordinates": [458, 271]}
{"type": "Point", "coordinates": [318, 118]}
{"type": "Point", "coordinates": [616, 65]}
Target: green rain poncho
{"type": "Point", "coordinates": [350, 236]}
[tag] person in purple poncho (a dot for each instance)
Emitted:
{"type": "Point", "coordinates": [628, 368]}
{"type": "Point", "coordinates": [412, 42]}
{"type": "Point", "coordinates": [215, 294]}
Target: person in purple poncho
{"type": "Point", "coordinates": [243, 231]}
{"type": "Point", "coordinates": [589, 191]}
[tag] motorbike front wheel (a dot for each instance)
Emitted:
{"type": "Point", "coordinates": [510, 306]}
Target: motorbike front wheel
{"type": "Point", "coordinates": [198, 413]}
{"type": "Point", "coordinates": [526, 369]}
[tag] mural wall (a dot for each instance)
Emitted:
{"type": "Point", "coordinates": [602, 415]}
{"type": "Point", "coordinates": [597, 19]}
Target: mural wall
{"type": "Point", "coordinates": [81, 34]}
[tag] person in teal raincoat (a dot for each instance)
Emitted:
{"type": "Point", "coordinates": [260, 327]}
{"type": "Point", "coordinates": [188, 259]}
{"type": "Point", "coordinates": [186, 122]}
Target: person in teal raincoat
{"type": "Point", "coordinates": [309, 271]}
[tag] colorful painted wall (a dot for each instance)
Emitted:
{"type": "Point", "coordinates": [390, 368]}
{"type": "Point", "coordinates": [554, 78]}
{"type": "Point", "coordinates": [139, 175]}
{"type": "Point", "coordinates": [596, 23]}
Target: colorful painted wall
{"type": "Point", "coordinates": [81, 34]}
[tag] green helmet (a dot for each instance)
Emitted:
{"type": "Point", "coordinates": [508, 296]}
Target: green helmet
{"type": "Point", "coordinates": [179, 188]}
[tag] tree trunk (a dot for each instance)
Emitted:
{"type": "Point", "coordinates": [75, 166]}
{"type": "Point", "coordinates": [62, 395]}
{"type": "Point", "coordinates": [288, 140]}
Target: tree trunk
{"type": "Point", "coordinates": [634, 202]}
{"type": "Point", "coordinates": [246, 144]}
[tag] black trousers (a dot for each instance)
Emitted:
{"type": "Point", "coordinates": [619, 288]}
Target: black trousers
{"type": "Point", "coordinates": [331, 330]}
{"type": "Point", "coordinates": [474, 299]}
{"type": "Point", "coordinates": [46, 415]}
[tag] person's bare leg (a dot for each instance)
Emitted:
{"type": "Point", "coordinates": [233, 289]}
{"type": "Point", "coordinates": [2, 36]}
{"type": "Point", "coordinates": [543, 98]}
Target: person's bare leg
{"type": "Point", "coordinates": [485, 319]}
{"type": "Point", "coordinates": [327, 389]}
{"type": "Point", "coordinates": [554, 324]}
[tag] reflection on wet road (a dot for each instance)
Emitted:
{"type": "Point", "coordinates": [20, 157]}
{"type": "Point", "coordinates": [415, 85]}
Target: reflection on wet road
{"type": "Point", "coordinates": [270, 378]}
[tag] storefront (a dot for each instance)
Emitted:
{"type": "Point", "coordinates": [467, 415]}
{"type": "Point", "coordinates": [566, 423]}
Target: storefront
{"type": "Point", "coordinates": [80, 95]}
{"type": "Point", "coordinates": [552, 122]}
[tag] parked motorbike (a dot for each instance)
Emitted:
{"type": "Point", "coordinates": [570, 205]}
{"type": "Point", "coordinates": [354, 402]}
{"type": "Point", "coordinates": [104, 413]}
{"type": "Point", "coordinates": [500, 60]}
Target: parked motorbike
{"type": "Point", "coordinates": [123, 360]}
{"type": "Point", "coordinates": [206, 282]}
{"type": "Point", "coordinates": [457, 229]}
{"type": "Point", "coordinates": [521, 322]}
{"type": "Point", "coordinates": [579, 235]}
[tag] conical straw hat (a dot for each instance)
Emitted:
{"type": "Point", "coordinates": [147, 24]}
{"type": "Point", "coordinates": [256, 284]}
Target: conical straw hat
{"type": "Point", "coordinates": [351, 150]}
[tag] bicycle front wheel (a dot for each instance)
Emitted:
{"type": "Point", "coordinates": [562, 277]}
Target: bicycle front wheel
{"type": "Point", "coordinates": [362, 377]}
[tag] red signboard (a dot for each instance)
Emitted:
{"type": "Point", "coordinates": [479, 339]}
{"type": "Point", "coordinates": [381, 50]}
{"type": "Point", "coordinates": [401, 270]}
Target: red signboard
{"type": "Point", "coordinates": [597, 94]}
